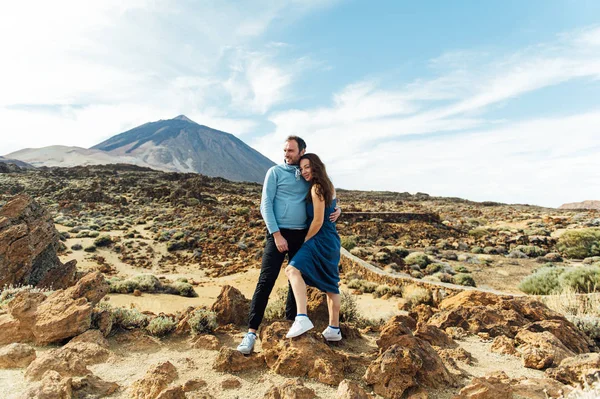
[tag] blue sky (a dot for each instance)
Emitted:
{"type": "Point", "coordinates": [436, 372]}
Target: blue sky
{"type": "Point", "coordinates": [494, 100]}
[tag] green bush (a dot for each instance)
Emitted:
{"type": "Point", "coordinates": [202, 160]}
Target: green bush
{"type": "Point", "coordinates": [103, 241]}
{"type": "Point", "coordinates": [161, 326]}
{"type": "Point", "coordinates": [580, 243]}
{"type": "Point", "coordinates": [183, 289]}
{"type": "Point", "coordinates": [434, 268]}
{"type": "Point", "coordinates": [464, 279]}
{"type": "Point", "coordinates": [582, 279]}
{"type": "Point", "coordinates": [368, 287]}
{"type": "Point", "coordinates": [417, 258]}
{"type": "Point", "coordinates": [348, 242]}
{"type": "Point", "coordinates": [147, 283]}
{"type": "Point", "coordinates": [544, 281]}
{"type": "Point", "coordinates": [90, 248]}
{"type": "Point", "coordinates": [76, 247]}
{"type": "Point", "coordinates": [532, 251]}
{"type": "Point", "coordinates": [130, 318]}
{"type": "Point", "coordinates": [381, 290]}
{"type": "Point", "coordinates": [590, 325]}
{"type": "Point", "coordinates": [203, 321]}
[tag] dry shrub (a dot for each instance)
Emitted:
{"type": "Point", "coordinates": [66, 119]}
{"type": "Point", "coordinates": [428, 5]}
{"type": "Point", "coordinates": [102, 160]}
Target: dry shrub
{"type": "Point", "coordinates": [580, 243]}
{"type": "Point", "coordinates": [415, 295]}
{"type": "Point", "coordinates": [583, 310]}
{"type": "Point", "coordinates": [161, 326]}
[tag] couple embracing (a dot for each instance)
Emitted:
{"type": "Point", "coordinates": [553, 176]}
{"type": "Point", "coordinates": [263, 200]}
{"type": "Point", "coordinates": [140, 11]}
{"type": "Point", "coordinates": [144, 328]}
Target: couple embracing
{"type": "Point", "coordinates": [298, 205]}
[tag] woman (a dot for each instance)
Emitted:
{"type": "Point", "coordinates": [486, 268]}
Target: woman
{"type": "Point", "coordinates": [316, 263]}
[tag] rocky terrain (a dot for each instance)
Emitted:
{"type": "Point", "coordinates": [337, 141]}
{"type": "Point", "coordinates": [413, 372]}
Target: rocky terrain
{"type": "Point", "coordinates": [126, 282]}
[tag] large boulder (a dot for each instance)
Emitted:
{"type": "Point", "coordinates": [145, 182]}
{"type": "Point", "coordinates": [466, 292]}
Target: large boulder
{"type": "Point", "coordinates": [28, 245]}
{"type": "Point", "coordinates": [493, 314]}
{"type": "Point", "coordinates": [63, 314]}
{"type": "Point", "coordinates": [307, 355]}
{"type": "Point", "coordinates": [231, 306]}
{"type": "Point", "coordinates": [407, 364]}
{"type": "Point", "coordinates": [540, 350]}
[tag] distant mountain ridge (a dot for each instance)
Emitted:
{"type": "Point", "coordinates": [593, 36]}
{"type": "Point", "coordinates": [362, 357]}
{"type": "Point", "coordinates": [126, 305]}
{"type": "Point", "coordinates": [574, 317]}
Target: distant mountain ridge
{"type": "Point", "coordinates": [589, 204]}
{"type": "Point", "coordinates": [182, 145]}
{"type": "Point", "coordinates": [20, 164]}
{"type": "Point", "coordinates": [172, 145]}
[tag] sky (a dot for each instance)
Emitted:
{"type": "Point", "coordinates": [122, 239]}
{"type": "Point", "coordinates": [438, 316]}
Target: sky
{"type": "Point", "coordinates": [488, 101]}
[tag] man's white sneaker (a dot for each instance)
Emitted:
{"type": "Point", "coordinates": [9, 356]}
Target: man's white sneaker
{"type": "Point", "coordinates": [247, 344]}
{"type": "Point", "coordinates": [301, 325]}
{"type": "Point", "coordinates": [332, 334]}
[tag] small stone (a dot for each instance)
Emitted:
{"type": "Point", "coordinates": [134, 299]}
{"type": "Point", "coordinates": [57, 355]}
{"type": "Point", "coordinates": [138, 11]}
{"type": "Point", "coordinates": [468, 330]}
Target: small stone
{"type": "Point", "coordinates": [231, 383]}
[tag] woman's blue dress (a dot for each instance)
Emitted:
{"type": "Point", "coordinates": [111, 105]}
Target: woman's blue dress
{"type": "Point", "coordinates": [318, 258]}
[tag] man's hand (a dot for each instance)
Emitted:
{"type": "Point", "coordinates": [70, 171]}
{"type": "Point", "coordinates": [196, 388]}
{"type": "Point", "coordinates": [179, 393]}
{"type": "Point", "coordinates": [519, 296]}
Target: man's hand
{"type": "Point", "coordinates": [280, 242]}
{"type": "Point", "coordinates": [335, 215]}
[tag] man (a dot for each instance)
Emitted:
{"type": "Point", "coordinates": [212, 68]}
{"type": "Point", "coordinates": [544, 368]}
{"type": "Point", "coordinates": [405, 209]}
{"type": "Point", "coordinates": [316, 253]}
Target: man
{"type": "Point", "coordinates": [283, 208]}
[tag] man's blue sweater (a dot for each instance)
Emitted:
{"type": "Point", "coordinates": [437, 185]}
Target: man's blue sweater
{"type": "Point", "coordinates": [283, 204]}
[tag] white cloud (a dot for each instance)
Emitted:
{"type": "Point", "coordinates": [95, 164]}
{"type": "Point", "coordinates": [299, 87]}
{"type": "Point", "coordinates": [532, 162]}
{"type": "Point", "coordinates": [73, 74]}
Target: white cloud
{"type": "Point", "coordinates": [454, 149]}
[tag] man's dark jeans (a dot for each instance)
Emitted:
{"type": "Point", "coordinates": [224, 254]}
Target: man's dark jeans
{"type": "Point", "coordinates": [271, 265]}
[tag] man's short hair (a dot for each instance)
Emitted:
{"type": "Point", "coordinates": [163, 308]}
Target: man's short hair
{"type": "Point", "coordinates": [301, 143]}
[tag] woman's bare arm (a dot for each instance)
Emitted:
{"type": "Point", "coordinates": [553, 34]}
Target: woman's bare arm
{"type": "Point", "coordinates": [319, 209]}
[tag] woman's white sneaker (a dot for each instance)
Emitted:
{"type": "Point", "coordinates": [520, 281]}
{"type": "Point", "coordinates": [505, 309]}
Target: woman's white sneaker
{"type": "Point", "coordinates": [301, 325]}
{"type": "Point", "coordinates": [332, 334]}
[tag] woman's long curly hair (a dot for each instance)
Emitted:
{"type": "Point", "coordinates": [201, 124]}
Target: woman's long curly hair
{"type": "Point", "coordinates": [320, 179]}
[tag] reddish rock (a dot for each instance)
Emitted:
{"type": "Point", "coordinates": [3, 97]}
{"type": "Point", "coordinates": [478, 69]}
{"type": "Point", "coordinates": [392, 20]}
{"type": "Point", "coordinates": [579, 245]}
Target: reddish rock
{"type": "Point", "coordinates": [434, 336]}
{"type": "Point", "coordinates": [567, 333]}
{"type": "Point", "coordinates": [499, 386]}
{"type": "Point", "coordinates": [577, 369]}
{"type": "Point", "coordinates": [504, 345]}
{"type": "Point", "coordinates": [92, 337]}
{"type": "Point", "coordinates": [194, 385]}
{"type": "Point", "coordinates": [156, 380]}
{"type": "Point", "coordinates": [52, 386]}
{"type": "Point", "coordinates": [494, 315]}
{"type": "Point", "coordinates": [230, 360]}
{"type": "Point", "coordinates": [307, 355]}
{"type": "Point", "coordinates": [421, 313]}
{"type": "Point", "coordinates": [28, 245]}
{"type": "Point", "coordinates": [394, 328]}
{"type": "Point", "coordinates": [350, 390]}
{"type": "Point", "coordinates": [231, 306]}
{"type": "Point", "coordinates": [92, 287]}
{"type": "Point", "coordinates": [175, 392]}
{"type": "Point", "coordinates": [290, 389]}
{"type": "Point", "coordinates": [541, 350]}
{"type": "Point", "coordinates": [231, 383]}
{"type": "Point", "coordinates": [205, 341]}
{"type": "Point", "coordinates": [63, 314]}
{"type": "Point", "coordinates": [16, 356]}
{"type": "Point", "coordinates": [409, 362]}
{"type": "Point", "coordinates": [70, 360]}
{"type": "Point", "coordinates": [91, 386]}
{"type": "Point", "coordinates": [12, 331]}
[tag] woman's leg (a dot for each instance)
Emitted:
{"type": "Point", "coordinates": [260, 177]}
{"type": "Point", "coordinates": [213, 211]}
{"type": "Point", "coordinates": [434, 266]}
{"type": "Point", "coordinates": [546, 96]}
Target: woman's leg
{"type": "Point", "coordinates": [334, 304]}
{"type": "Point", "coordinates": [298, 286]}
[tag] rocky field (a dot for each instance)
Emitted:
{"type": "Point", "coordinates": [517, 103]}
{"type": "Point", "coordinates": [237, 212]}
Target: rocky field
{"type": "Point", "coordinates": [124, 282]}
